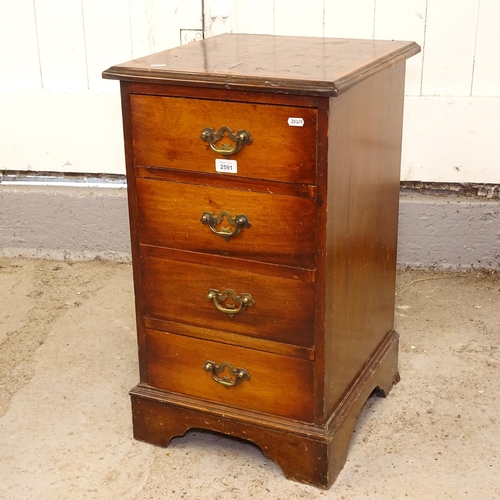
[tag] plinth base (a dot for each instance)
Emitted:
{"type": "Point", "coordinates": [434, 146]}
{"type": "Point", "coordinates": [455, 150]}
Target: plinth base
{"type": "Point", "coordinates": [306, 453]}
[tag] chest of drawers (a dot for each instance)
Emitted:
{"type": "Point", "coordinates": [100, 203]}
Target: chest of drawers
{"type": "Point", "coordinates": [263, 180]}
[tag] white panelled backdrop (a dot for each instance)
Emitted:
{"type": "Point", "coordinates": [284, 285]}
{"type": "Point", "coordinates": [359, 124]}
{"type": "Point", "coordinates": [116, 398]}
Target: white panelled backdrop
{"type": "Point", "coordinates": [57, 114]}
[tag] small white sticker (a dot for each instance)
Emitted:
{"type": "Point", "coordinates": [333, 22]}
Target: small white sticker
{"type": "Point", "coordinates": [226, 166]}
{"type": "Point", "coordinates": [296, 122]}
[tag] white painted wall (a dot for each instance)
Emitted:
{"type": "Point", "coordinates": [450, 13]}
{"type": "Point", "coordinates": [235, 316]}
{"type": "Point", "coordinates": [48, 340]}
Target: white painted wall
{"type": "Point", "coordinates": [57, 114]}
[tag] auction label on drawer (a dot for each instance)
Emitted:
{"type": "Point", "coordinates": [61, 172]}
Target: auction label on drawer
{"type": "Point", "coordinates": [226, 166]}
{"type": "Point", "coordinates": [296, 122]}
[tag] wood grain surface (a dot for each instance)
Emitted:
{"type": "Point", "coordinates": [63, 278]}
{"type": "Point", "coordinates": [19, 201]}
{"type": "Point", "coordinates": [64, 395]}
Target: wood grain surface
{"type": "Point", "coordinates": [278, 385]}
{"type": "Point", "coordinates": [281, 231]}
{"type": "Point", "coordinates": [362, 226]}
{"type": "Point", "coordinates": [166, 133]}
{"type": "Point", "coordinates": [177, 291]}
{"type": "Point", "coordinates": [300, 65]}
{"type": "Point", "coordinates": [318, 258]}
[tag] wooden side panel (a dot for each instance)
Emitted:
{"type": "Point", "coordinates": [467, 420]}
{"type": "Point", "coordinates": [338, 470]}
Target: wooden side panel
{"type": "Point", "coordinates": [363, 199]}
{"type": "Point", "coordinates": [134, 238]}
{"type": "Point", "coordinates": [281, 230]}
{"type": "Point", "coordinates": [177, 291]}
{"type": "Point", "coordinates": [278, 384]}
{"type": "Point", "coordinates": [321, 277]}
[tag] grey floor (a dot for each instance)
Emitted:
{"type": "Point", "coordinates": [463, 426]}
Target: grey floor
{"type": "Point", "coordinates": [68, 359]}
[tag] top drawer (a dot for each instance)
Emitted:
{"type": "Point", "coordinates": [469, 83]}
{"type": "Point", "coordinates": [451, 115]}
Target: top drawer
{"type": "Point", "coordinates": [166, 133]}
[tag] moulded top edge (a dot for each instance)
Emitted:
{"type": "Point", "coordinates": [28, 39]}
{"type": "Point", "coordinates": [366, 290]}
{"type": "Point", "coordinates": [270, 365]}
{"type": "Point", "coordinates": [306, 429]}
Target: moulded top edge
{"type": "Point", "coordinates": [317, 66]}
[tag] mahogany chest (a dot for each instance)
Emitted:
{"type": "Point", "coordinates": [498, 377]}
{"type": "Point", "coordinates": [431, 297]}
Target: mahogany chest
{"type": "Point", "coordinates": [263, 184]}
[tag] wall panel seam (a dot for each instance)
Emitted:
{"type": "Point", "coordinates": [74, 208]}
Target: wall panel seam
{"type": "Point", "coordinates": [374, 18]}
{"type": "Point", "coordinates": [85, 45]}
{"type": "Point", "coordinates": [475, 48]}
{"type": "Point", "coordinates": [130, 30]}
{"type": "Point", "coordinates": [423, 47]}
{"type": "Point", "coordinates": [38, 45]}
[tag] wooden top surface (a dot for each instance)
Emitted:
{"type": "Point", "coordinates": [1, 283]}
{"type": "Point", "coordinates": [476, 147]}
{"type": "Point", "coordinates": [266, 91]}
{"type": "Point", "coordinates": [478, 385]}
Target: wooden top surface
{"type": "Point", "coordinates": [318, 66]}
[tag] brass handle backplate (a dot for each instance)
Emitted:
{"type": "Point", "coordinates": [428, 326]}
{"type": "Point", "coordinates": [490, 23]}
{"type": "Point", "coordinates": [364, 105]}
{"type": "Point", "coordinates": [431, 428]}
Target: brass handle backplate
{"type": "Point", "coordinates": [240, 138]}
{"type": "Point", "coordinates": [237, 303]}
{"type": "Point", "coordinates": [236, 375]}
{"type": "Point", "coordinates": [239, 222]}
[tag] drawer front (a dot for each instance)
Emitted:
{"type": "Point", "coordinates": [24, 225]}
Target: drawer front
{"type": "Point", "coordinates": [277, 309]}
{"type": "Point", "coordinates": [281, 227]}
{"type": "Point", "coordinates": [276, 384]}
{"type": "Point", "coordinates": [166, 133]}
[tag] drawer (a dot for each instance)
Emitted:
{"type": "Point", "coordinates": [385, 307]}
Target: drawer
{"type": "Point", "coordinates": [281, 227]}
{"type": "Point", "coordinates": [166, 133]}
{"type": "Point", "coordinates": [279, 309]}
{"type": "Point", "coordinates": [277, 384]}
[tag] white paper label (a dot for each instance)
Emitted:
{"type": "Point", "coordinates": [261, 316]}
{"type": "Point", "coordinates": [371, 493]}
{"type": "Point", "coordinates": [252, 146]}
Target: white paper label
{"type": "Point", "coordinates": [296, 122]}
{"type": "Point", "coordinates": [226, 166]}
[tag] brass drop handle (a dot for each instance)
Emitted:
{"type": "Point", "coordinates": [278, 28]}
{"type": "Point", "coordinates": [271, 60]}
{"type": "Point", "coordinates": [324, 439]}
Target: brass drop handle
{"type": "Point", "coordinates": [212, 221]}
{"type": "Point", "coordinates": [236, 375]}
{"type": "Point", "coordinates": [238, 302]}
{"type": "Point", "coordinates": [240, 138]}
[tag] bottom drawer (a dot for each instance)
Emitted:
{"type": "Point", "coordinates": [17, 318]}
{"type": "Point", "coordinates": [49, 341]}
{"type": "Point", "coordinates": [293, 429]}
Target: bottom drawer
{"type": "Point", "coordinates": [275, 384]}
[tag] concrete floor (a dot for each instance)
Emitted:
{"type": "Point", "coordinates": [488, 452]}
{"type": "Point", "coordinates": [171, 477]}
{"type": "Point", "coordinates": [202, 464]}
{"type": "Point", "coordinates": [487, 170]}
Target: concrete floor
{"type": "Point", "coordinates": [68, 359]}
